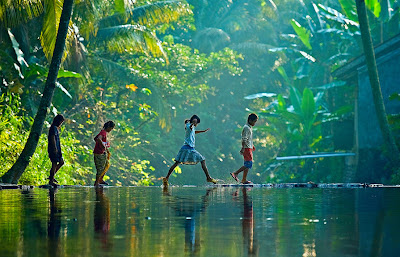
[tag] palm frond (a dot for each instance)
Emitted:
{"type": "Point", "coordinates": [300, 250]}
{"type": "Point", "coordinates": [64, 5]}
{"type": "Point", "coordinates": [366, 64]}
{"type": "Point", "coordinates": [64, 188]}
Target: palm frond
{"type": "Point", "coordinates": [15, 12]}
{"type": "Point", "coordinates": [51, 20]}
{"type": "Point", "coordinates": [88, 13]}
{"type": "Point", "coordinates": [133, 38]}
{"type": "Point", "coordinates": [112, 68]}
{"type": "Point", "coordinates": [149, 14]}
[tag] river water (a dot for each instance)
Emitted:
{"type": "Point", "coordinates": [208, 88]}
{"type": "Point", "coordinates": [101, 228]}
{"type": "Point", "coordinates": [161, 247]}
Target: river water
{"type": "Point", "coordinates": [200, 221]}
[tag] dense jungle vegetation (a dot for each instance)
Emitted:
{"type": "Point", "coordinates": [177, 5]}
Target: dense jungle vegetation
{"type": "Point", "coordinates": [148, 65]}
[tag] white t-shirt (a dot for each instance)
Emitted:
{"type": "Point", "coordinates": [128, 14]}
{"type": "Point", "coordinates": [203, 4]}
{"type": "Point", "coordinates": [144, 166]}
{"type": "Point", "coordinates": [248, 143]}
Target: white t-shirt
{"type": "Point", "coordinates": [247, 136]}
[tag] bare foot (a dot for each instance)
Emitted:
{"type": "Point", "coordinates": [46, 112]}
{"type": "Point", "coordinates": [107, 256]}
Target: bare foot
{"type": "Point", "coordinates": [165, 182]}
{"type": "Point", "coordinates": [212, 180]}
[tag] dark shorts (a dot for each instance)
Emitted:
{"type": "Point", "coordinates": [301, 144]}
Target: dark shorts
{"type": "Point", "coordinates": [56, 157]}
{"type": "Point", "coordinates": [248, 164]}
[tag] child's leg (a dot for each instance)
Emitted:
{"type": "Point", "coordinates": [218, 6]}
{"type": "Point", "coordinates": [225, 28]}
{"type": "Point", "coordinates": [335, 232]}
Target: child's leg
{"type": "Point", "coordinates": [108, 164]}
{"type": "Point", "coordinates": [172, 169]}
{"type": "Point", "coordinates": [209, 178]}
{"type": "Point", "coordinates": [245, 171]}
{"type": "Point", "coordinates": [240, 170]}
{"type": "Point", "coordinates": [204, 167]}
{"type": "Point", "coordinates": [52, 172]}
{"type": "Point", "coordinates": [59, 165]}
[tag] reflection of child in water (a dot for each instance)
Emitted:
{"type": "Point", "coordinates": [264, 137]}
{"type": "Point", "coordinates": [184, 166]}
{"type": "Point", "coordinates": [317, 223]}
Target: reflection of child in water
{"type": "Point", "coordinates": [54, 224]}
{"type": "Point", "coordinates": [189, 208]}
{"type": "Point", "coordinates": [102, 217]}
{"type": "Point", "coordinates": [248, 222]}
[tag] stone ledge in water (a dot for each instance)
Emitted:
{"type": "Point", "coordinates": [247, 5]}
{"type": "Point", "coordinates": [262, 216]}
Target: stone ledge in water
{"type": "Point", "coordinates": [311, 185]}
{"type": "Point", "coordinates": [14, 186]}
{"type": "Point", "coordinates": [47, 186]}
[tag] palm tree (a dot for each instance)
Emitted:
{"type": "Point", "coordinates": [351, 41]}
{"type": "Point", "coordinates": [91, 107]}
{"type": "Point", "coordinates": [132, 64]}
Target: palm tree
{"type": "Point", "coordinates": [13, 175]}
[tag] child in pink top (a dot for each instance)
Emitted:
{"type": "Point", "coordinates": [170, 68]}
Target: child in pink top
{"type": "Point", "coordinates": [101, 153]}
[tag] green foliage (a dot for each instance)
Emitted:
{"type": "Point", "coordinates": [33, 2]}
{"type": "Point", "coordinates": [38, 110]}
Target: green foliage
{"type": "Point", "coordinates": [302, 33]}
{"type": "Point", "coordinates": [13, 135]}
{"type": "Point", "coordinates": [148, 65]}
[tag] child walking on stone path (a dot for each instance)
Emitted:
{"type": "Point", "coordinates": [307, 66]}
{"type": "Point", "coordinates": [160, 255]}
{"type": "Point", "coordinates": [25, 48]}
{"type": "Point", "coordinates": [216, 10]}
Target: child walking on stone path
{"type": "Point", "coordinates": [247, 149]}
{"type": "Point", "coordinates": [54, 148]}
{"type": "Point", "coordinates": [102, 154]}
{"type": "Point", "coordinates": [187, 154]}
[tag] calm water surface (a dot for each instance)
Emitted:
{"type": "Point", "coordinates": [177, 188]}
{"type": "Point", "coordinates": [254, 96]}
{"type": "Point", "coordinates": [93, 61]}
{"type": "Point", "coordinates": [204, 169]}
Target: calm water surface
{"type": "Point", "coordinates": [200, 221]}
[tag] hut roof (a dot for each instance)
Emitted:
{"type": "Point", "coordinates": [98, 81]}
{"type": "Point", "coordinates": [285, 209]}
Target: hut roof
{"type": "Point", "coordinates": [349, 70]}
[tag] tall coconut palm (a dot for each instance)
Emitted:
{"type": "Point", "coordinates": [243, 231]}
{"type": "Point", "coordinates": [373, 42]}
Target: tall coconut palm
{"type": "Point", "coordinates": [13, 175]}
{"type": "Point", "coordinates": [132, 35]}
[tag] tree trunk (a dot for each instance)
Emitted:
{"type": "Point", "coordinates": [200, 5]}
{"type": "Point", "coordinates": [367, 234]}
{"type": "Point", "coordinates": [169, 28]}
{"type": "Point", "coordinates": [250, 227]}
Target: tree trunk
{"type": "Point", "coordinates": [389, 142]}
{"type": "Point", "coordinates": [13, 175]}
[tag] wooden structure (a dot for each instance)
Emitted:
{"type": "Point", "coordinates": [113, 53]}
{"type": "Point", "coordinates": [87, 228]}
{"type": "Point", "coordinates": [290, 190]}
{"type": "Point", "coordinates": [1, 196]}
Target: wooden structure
{"type": "Point", "coordinates": [368, 137]}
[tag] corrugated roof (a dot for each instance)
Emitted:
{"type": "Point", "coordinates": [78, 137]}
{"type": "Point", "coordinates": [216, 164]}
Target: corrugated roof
{"type": "Point", "coordinates": [348, 70]}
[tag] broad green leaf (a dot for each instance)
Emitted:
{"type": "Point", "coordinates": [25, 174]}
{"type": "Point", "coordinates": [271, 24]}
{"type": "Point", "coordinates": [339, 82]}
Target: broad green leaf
{"type": "Point", "coordinates": [332, 14]}
{"type": "Point", "coordinates": [308, 108]}
{"type": "Point", "coordinates": [302, 33]}
{"type": "Point", "coordinates": [295, 99]}
{"type": "Point", "coordinates": [119, 6]}
{"type": "Point", "coordinates": [374, 6]}
{"type": "Point", "coordinates": [68, 74]}
{"type": "Point", "coordinates": [281, 103]}
{"type": "Point", "coordinates": [349, 8]}
{"type": "Point", "coordinates": [282, 71]}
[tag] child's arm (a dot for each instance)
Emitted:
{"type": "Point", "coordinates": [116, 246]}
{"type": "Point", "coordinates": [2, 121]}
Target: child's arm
{"type": "Point", "coordinates": [99, 139]}
{"type": "Point", "coordinates": [243, 146]}
{"type": "Point", "coordinates": [201, 131]}
{"type": "Point", "coordinates": [53, 142]}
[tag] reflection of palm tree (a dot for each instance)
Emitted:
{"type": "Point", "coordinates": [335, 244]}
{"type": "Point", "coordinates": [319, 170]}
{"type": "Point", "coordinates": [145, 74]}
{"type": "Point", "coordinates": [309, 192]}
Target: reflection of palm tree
{"type": "Point", "coordinates": [189, 208]}
{"type": "Point", "coordinates": [102, 218]}
{"type": "Point", "coordinates": [54, 224]}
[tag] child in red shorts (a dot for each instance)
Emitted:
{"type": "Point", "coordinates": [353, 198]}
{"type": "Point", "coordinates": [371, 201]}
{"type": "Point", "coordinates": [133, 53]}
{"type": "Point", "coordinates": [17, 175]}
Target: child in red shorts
{"type": "Point", "coordinates": [247, 148]}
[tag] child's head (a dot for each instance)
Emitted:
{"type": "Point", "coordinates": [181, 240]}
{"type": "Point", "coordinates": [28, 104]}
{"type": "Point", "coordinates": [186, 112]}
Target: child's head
{"type": "Point", "coordinates": [195, 120]}
{"type": "Point", "coordinates": [58, 120]}
{"type": "Point", "coordinates": [108, 126]}
{"type": "Point", "coordinates": [252, 119]}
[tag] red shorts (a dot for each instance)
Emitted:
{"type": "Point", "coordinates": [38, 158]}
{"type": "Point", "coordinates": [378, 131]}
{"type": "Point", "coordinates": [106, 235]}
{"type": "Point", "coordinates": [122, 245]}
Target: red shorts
{"type": "Point", "coordinates": [248, 154]}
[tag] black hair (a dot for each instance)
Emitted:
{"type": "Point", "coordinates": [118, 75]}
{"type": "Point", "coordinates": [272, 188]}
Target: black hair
{"type": "Point", "coordinates": [57, 120]}
{"type": "Point", "coordinates": [252, 117]}
{"type": "Point", "coordinates": [195, 117]}
{"type": "Point", "coordinates": [109, 124]}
